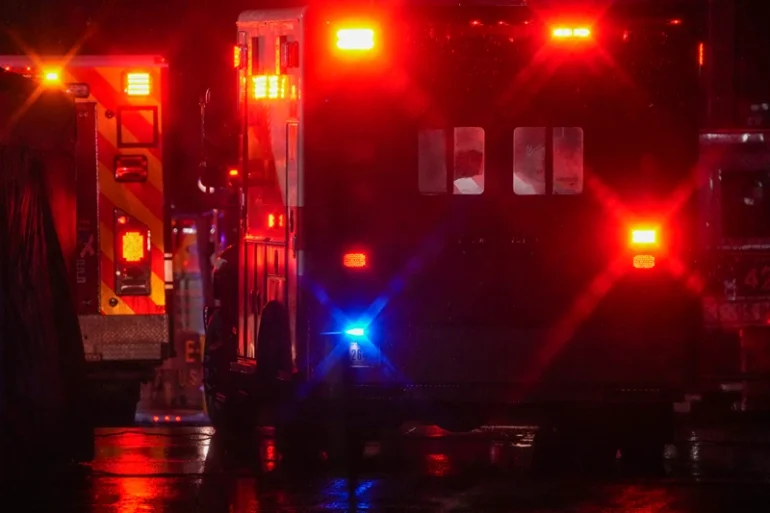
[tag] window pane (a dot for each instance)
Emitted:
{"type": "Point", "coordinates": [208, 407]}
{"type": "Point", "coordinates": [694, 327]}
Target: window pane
{"type": "Point", "coordinates": [567, 160]}
{"type": "Point", "coordinates": [745, 203]}
{"type": "Point", "coordinates": [529, 160]}
{"type": "Point", "coordinates": [469, 160]}
{"type": "Point", "coordinates": [431, 162]}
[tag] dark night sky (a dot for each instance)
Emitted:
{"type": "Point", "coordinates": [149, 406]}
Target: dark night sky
{"type": "Point", "coordinates": [196, 36]}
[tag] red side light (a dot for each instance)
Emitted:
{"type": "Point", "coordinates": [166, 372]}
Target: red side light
{"type": "Point", "coordinates": [354, 260]}
{"type": "Point", "coordinates": [355, 39]}
{"type": "Point", "coordinates": [643, 236]}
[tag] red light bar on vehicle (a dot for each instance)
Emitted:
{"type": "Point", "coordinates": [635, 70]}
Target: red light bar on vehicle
{"type": "Point", "coordinates": [571, 33]}
{"type": "Point", "coordinates": [354, 260]}
{"type": "Point", "coordinates": [355, 39]}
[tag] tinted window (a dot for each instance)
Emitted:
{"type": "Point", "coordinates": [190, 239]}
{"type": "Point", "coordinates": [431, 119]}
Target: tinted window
{"type": "Point", "coordinates": [529, 160]}
{"type": "Point", "coordinates": [530, 147]}
{"type": "Point", "coordinates": [467, 160]}
{"type": "Point", "coordinates": [567, 160]}
{"type": "Point", "coordinates": [746, 204]}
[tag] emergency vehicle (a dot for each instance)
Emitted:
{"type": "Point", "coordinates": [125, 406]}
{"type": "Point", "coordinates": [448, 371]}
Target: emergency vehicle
{"type": "Point", "coordinates": [453, 210]}
{"type": "Point", "coordinates": [121, 271]}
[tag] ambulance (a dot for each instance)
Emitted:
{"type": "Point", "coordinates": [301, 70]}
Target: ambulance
{"type": "Point", "coordinates": [121, 270]}
{"type": "Point", "coordinates": [463, 213]}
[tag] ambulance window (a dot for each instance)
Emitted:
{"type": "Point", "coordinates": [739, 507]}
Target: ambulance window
{"type": "Point", "coordinates": [468, 160]}
{"type": "Point", "coordinates": [431, 161]}
{"type": "Point", "coordinates": [529, 160]}
{"type": "Point", "coordinates": [567, 160]}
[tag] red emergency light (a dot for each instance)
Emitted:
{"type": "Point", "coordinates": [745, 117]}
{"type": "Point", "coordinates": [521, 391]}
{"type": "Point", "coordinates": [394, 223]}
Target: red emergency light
{"type": "Point", "coordinates": [571, 33]}
{"type": "Point", "coordinates": [644, 241]}
{"type": "Point", "coordinates": [355, 39]}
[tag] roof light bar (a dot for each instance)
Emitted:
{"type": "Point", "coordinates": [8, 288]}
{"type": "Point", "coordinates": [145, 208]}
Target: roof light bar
{"type": "Point", "coordinates": [571, 32]}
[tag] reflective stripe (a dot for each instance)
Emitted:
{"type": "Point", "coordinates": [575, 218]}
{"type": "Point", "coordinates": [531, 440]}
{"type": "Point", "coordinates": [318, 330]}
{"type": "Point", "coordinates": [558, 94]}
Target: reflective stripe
{"type": "Point", "coordinates": [168, 267]}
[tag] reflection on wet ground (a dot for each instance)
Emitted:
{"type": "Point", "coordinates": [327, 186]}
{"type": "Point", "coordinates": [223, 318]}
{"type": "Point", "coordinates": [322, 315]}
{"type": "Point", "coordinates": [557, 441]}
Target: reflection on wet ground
{"type": "Point", "coordinates": [188, 469]}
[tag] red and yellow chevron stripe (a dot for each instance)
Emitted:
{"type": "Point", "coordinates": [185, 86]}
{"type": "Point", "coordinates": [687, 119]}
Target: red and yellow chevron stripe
{"type": "Point", "coordinates": [142, 201]}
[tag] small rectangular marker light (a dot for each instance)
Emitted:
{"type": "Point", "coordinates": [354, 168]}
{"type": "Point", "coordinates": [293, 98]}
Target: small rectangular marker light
{"type": "Point", "coordinates": [354, 260]}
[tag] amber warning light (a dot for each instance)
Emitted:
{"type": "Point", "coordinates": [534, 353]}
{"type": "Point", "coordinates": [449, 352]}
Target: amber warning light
{"type": "Point", "coordinates": [354, 260]}
{"type": "Point", "coordinates": [132, 246]}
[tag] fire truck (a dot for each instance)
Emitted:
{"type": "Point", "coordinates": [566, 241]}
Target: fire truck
{"type": "Point", "coordinates": [120, 270]}
{"type": "Point", "coordinates": [459, 213]}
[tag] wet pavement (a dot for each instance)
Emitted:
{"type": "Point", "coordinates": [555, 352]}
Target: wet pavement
{"type": "Point", "coordinates": [174, 468]}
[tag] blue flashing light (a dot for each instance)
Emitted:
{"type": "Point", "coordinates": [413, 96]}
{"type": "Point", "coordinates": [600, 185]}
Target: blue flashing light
{"type": "Point", "coordinates": [355, 332]}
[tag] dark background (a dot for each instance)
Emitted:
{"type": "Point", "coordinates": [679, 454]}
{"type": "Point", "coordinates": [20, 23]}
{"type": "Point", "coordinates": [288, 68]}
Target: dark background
{"type": "Point", "coordinates": [197, 36]}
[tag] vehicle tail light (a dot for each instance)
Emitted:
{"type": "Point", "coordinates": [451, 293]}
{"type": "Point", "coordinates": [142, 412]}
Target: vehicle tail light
{"type": "Point", "coordinates": [644, 242]}
{"type": "Point", "coordinates": [355, 39]}
{"type": "Point", "coordinates": [132, 256]}
{"type": "Point", "coordinates": [354, 260]}
{"type": "Point", "coordinates": [138, 84]}
{"type": "Point", "coordinates": [131, 168]}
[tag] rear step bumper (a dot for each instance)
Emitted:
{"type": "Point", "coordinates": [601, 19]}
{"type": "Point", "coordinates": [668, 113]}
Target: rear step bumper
{"type": "Point", "coordinates": [501, 394]}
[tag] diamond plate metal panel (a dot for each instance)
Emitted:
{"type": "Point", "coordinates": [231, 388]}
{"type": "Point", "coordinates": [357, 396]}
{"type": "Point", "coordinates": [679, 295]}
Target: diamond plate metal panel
{"type": "Point", "coordinates": [124, 337]}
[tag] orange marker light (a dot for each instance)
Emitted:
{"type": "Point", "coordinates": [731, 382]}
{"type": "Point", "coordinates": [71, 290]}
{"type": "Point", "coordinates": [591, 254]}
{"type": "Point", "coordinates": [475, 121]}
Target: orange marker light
{"type": "Point", "coordinates": [360, 39]}
{"type": "Point", "coordinates": [354, 260]}
{"type": "Point", "coordinates": [132, 246]}
{"type": "Point", "coordinates": [233, 172]}
{"type": "Point", "coordinates": [644, 261]}
{"type": "Point", "coordinates": [237, 57]}
{"type": "Point", "coordinates": [138, 84]}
